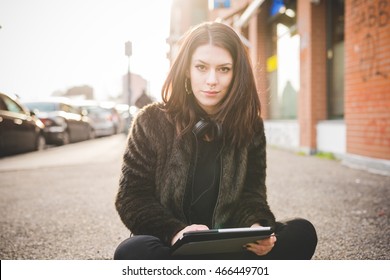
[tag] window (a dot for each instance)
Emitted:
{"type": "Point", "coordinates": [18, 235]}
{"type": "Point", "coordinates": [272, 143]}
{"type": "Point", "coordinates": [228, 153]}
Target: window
{"type": "Point", "coordinates": [335, 59]}
{"type": "Point", "coordinates": [12, 106]}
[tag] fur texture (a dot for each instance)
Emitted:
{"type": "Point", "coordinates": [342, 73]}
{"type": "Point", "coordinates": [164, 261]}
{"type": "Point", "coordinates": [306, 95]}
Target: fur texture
{"type": "Point", "coordinates": [154, 177]}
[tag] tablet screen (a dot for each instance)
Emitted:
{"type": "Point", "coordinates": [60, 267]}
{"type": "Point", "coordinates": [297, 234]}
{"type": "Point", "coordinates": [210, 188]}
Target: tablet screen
{"type": "Point", "coordinates": [218, 240]}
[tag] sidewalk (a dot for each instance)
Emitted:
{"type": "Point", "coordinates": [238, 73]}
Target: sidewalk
{"type": "Point", "coordinates": [69, 213]}
{"type": "Point", "coordinates": [349, 208]}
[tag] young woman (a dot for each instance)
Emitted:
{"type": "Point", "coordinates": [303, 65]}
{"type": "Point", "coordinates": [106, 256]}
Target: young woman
{"type": "Point", "coordinates": [197, 160]}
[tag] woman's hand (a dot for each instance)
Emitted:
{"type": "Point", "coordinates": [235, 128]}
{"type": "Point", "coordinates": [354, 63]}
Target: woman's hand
{"type": "Point", "coordinates": [263, 246]}
{"type": "Point", "coordinates": [193, 227]}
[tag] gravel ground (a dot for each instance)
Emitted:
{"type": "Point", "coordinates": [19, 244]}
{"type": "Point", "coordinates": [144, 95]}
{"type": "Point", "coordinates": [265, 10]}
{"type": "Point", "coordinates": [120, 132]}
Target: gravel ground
{"type": "Point", "coordinates": [348, 207]}
{"type": "Point", "coordinates": [69, 213]}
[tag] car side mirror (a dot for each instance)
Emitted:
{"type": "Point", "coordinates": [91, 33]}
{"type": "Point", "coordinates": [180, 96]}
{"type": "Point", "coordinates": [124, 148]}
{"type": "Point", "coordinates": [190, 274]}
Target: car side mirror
{"type": "Point", "coordinates": [33, 113]}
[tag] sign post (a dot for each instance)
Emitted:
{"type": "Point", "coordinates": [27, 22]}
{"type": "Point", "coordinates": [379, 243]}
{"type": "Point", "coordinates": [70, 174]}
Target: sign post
{"type": "Point", "coordinates": [128, 53]}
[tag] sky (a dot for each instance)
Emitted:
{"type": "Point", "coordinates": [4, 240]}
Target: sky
{"type": "Point", "coordinates": [53, 45]}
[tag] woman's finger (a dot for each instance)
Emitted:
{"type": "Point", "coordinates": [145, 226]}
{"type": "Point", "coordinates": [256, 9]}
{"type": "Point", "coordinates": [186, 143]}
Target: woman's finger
{"type": "Point", "coordinates": [262, 247]}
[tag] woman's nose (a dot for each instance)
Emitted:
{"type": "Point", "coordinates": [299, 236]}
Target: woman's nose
{"type": "Point", "coordinates": [211, 78]}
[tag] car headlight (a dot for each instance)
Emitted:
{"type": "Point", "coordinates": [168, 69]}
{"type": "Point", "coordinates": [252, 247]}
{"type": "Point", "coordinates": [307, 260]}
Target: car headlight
{"type": "Point", "coordinates": [60, 121]}
{"type": "Point", "coordinates": [39, 123]}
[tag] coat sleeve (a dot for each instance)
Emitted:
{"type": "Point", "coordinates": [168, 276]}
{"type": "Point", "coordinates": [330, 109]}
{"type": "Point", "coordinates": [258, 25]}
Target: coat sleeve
{"type": "Point", "coordinates": [136, 202]}
{"type": "Point", "coordinates": [252, 206]}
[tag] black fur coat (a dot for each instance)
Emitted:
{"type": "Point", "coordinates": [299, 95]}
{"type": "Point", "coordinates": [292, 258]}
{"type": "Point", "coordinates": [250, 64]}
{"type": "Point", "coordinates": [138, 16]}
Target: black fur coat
{"type": "Point", "coordinates": [154, 176]}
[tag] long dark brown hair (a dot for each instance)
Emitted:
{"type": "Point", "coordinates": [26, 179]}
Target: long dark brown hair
{"type": "Point", "coordinates": [238, 111]}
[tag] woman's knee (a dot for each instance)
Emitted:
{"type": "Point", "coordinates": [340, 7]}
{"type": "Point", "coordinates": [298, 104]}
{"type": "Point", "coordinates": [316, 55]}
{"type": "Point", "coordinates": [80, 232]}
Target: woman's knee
{"type": "Point", "coordinates": [308, 235]}
{"type": "Point", "coordinates": [141, 247]}
{"type": "Point", "coordinates": [297, 239]}
{"type": "Point", "coordinates": [306, 228]}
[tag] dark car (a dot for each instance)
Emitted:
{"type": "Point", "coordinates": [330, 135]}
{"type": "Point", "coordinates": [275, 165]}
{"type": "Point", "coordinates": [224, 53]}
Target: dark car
{"type": "Point", "coordinates": [64, 123]}
{"type": "Point", "coordinates": [20, 131]}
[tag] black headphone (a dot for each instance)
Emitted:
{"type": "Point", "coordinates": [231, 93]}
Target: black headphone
{"type": "Point", "coordinates": [204, 126]}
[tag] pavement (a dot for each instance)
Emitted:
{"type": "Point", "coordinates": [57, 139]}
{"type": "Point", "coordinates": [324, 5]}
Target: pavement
{"type": "Point", "coordinates": [350, 208]}
{"type": "Point", "coordinates": [71, 214]}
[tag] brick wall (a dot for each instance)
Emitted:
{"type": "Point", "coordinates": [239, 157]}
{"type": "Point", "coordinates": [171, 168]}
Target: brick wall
{"type": "Point", "coordinates": [367, 78]}
{"type": "Point", "coordinates": [312, 95]}
{"type": "Point", "coordinates": [260, 52]}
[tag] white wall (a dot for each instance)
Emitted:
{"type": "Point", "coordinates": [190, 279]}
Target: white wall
{"type": "Point", "coordinates": [283, 133]}
{"type": "Point", "coordinates": [331, 137]}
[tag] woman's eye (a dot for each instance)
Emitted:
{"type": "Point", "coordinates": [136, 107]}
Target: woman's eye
{"type": "Point", "coordinates": [200, 67]}
{"type": "Point", "coordinates": [224, 69]}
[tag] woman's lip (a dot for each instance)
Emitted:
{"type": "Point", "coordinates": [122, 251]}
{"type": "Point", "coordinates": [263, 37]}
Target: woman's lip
{"type": "Point", "coordinates": [210, 92]}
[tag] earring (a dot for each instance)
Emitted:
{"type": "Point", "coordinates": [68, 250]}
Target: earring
{"type": "Point", "coordinates": [186, 86]}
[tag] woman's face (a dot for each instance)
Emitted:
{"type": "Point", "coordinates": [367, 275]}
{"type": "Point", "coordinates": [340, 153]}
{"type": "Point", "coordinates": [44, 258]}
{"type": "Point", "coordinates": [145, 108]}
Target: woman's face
{"type": "Point", "coordinates": [211, 72]}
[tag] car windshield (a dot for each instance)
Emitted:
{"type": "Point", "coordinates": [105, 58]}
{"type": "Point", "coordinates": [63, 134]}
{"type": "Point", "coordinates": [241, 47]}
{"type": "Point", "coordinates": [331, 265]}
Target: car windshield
{"type": "Point", "coordinates": [42, 106]}
{"type": "Point", "coordinates": [94, 109]}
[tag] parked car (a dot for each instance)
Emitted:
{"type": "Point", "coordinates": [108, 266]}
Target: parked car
{"type": "Point", "coordinates": [20, 131]}
{"type": "Point", "coordinates": [115, 116]}
{"type": "Point", "coordinates": [127, 114]}
{"type": "Point", "coordinates": [102, 119]}
{"type": "Point", "coordinates": [64, 123]}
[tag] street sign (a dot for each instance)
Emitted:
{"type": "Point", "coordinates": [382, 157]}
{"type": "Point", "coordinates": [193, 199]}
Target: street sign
{"type": "Point", "coordinates": [128, 48]}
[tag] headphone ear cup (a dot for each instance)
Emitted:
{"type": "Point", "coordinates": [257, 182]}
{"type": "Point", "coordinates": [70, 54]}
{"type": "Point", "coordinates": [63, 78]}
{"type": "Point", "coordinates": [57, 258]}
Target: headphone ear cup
{"type": "Point", "coordinates": [201, 127]}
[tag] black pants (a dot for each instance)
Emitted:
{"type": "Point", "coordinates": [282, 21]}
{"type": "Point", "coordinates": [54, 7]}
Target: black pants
{"type": "Point", "coordinates": [296, 240]}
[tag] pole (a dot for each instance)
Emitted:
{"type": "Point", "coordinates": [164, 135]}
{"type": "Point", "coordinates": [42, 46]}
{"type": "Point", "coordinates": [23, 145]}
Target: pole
{"type": "Point", "coordinates": [129, 83]}
{"type": "Point", "coordinates": [128, 53]}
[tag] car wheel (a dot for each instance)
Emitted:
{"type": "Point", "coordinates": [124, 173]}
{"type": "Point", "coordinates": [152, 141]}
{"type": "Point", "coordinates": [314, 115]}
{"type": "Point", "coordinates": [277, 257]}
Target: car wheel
{"type": "Point", "coordinates": [65, 138]}
{"type": "Point", "coordinates": [41, 143]}
{"type": "Point", "coordinates": [91, 134]}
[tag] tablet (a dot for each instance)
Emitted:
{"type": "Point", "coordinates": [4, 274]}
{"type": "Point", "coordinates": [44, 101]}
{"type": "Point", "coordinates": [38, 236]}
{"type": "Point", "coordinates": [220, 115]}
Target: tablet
{"type": "Point", "coordinates": [218, 240]}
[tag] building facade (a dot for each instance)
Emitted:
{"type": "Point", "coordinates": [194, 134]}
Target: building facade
{"type": "Point", "coordinates": [323, 73]}
{"type": "Point", "coordinates": [184, 15]}
{"type": "Point", "coordinates": [139, 87]}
